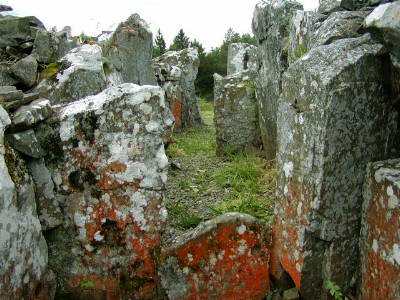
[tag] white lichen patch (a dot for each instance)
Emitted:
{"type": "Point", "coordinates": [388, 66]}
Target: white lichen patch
{"type": "Point", "coordinates": [241, 229]}
{"type": "Point", "coordinates": [288, 169]}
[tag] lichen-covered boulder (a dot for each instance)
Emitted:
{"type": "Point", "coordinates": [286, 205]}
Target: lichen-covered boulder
{"type": "Point", "coordinates": [271, 23]}
{"type": "Point", "coordinates": [334, 117]}
{"type": "Point", "coordinates": [15, 30]}
{"type": "Point", "coordinates": [339, 25]}
{"type": "Point", "coordinates": [26, 70]}
{"type": "Point", "coordinates": [380, 233]}
{"type": "Point", "coordinates": [26, 143]}
{"type": "Point", "coordinates": [236, 113]}
{"type": "Point", "coordinates": [80, 74]}
{"type": "Point", "coordinates": [29, 115]}
{"type": "Point", "coordinates": [242, 57]}
{"type": "Point", "coordinates": [181, 67]}
{"type": "Point", "coordinates": [129, 51]}
{"type": "Point", "coordinates": [50, 46]}
{"type": "Point", "coordinates": [329, 6]}
{"type": "Point", "coordinates": [23, 250]}
{"type": "Point", "coordinates": [224, 258]}
{"type": "Point", "coordinates": [105, 154]}
{"type": "Point", "coordinates": [384, 21]}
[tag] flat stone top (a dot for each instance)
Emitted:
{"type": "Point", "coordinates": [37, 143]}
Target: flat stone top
{"type": "Point", "coordinates": [388, 170]}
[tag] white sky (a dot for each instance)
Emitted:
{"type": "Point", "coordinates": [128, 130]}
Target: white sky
{"type": "Point", "coordinates": [205, 20]}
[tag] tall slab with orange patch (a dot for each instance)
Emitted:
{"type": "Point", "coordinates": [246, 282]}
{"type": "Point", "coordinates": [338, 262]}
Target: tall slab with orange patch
{"type": "Point", "coordinates": [335, 115]}
{"type": "Point", "coordinates": [380, 234]}
{"type": "Point", "coordinates": [225, 258]}
{"type": "Point", "coordinates": [106, 157]}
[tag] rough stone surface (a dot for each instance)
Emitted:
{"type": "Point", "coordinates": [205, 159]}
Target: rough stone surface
{"type": "Point", "coordinates": [30, 115]}
{"type": "Point", "coordinates": [271, 22]}
{"type": "Point", "coordinates": [380, 234]}
{"type": "Point", "coordinates": [384, 20]}
{"type": "Point", "coordinates": [10, 93]}
{"type": "Point", "coordinates": [329, 6]}
{"type": "Point", "coordinates": [23, 250]}
{"type": "Point", "coordinates": [129, 52]}
{"type": "Point", "coordinates": [235, 113]}
{"type": "Point", "coordinates": [81, 74]}
{"type": "Point", "coordinates": [224, 258]}
{"type": "Point", "coordinates": [242, 57]}
{"type": "Point", "coordinates": [26, 70]}
{"type": "Point", "coordinates": [181, 67]}
{"type": "Point", "coordinates": [106, 157]}
{"type": "Point", "coordinates": [14, 30]}
{"type": "Point", "coordinates": [5, 75]}
{"type": "Point", "coordinates": [335, 116]}
{"type": "Point", "coordinates": [49, 46]}
{"type": "Point", "coordinates": [26, 143]}
{"type": "Point", "coordinates": [339, 25]}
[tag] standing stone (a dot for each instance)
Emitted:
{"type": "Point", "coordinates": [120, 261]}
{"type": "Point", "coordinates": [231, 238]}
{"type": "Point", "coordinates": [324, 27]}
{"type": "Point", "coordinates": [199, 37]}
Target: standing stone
{"type": "Point", "coordinates": [183, 66]}
{"type": "Point", "coordinates": [242, 57]}
{"type": "Point", "coordinates": [106, 157]}
{"type": "Point", "coordinates": [23, 250]}
{"type": "Point", "coordinates": [380, 233]}
{"type": "Point", "coordinates": [80, 74]}
{"type": "Point", "coordinates": [271, 28]}
{"type": "Point", "coordinates": [236, 113]}
{"type": "Point", "coordinates": [26, 70]}
{"type": "Point", "coordinates": [129, 52]}
{"type": "Point", "coordinates": [224, 258]}
{"type": "Point", "coordinates": [334, 117]}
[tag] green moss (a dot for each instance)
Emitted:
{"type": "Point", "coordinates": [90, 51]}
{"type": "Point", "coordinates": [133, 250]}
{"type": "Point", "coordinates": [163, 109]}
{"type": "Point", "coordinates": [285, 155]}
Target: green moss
{"type": "Point", "coordinates": [297, 53]}
{"type": "Point", "coordinates": [16, 167]}
{"type": "Point", "coordinates": [50, 71]}
{"type": "Point", "coordinates": [182, 217]}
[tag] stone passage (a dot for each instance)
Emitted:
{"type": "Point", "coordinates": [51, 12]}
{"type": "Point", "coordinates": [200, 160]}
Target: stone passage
{"type": "Point", "coordinates": [225, 258]}
{"type": "Point", "coordinates": [176, 72]}
{"type": "Point", "coordinates": [235, 104]}
{"type": "Point", "coordinates": [380, 234]}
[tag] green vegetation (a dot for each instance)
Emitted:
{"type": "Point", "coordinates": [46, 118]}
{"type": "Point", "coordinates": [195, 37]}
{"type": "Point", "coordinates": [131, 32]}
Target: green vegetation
{"type": "Point", "coordinates": [86, 284]}
{"type": "Point", "coordinates": [208, 185]}
{"type": "Point", "coordinates": [334, 290]}
{"type": "Point", "coordinates": [160, 47]}
{"type": "Point", "coordinates": [180, 42]}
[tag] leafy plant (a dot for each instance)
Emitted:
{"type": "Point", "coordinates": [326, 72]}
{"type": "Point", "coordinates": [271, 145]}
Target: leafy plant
{"type": "Point", "coordinates": [333, 289]}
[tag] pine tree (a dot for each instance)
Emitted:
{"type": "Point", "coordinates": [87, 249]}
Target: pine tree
{"type": "Point", "coordinates": [160, 46]}
{"type": "Point", "coordinates": [181, 41]}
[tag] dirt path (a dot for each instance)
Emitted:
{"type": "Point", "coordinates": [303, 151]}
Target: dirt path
{"type": "Point", "coordinates": [205, 185]}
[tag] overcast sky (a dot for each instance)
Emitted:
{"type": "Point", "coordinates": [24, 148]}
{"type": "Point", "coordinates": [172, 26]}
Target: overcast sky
{"type": "Point", "coordinates": [205, 20]}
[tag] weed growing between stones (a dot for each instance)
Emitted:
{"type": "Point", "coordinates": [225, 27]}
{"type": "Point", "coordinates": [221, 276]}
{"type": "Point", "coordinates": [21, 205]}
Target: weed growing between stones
{"type": "Point", "coordinates": [208, 186]}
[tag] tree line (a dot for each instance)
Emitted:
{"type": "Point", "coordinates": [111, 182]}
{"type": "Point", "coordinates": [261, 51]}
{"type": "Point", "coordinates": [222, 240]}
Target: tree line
{"type": "Point", "coordinates": [214, 61]}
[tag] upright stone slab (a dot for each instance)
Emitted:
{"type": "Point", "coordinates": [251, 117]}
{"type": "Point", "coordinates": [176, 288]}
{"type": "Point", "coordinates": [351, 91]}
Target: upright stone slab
{"type": "Point", "coordinates": [80, 74]}
{"type": "Point", "coordinates": [271, 27]}
{"type": "Point", "coordinates": [224, 258]}
{"type": "Point", "coordinates": [334, 117]}
{"type": "Point", "coordinates": [184, 65]}
{"type": "Point", "coordinates": [107, 161]}
{"type": "Point", "coordinates": [236, 113]}
{"type": "Point", "coordinates": [242, 57]}
{"type": "Point", "coordinates": [128, 53]}
{"type": "Point", "coordinates": [380, 234]}
{"type": "Point", "coordinates": [23, 249]}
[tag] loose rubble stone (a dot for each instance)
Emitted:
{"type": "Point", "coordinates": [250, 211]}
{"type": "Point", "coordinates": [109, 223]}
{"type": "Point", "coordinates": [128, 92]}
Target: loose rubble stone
{"type": "Point", "coordinates": [81, 74]}
{"type": "Point", "coordinates": [26, 99]}
{"type": "Point", "coordinates": [15, 31]}
{"type": "Point", "coordinates": [335, 116]}
{"type": "Point", "coordinates": [10, 93]}
{"type": "Point", "coordinates": [27, 116]}
{"type": "Point", "coordinates": [242, 57]}
{"type": "Point", "coordinates": [235, 113]}
{"type": "Point", "coordinates": [380, 233]}
{"type": "Point", "coordinates": [26, 143]}
{"type": "Point", "coordinates": [271, 22]}
{"type": "Point", "coordinates": [106, 157]}
{"type": "Point", "coordinates": [23, 250]}
{"type": "Point", "coordinates": [129, 52]}
{"type": "Point", "coordinates": [180, 68]}
{"type": "Point", "coordinates": [5, 75]}
{"type": "Point", "coordinates": [224, 258]}
{"type": "Point", "coordinates": [26, 70]}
